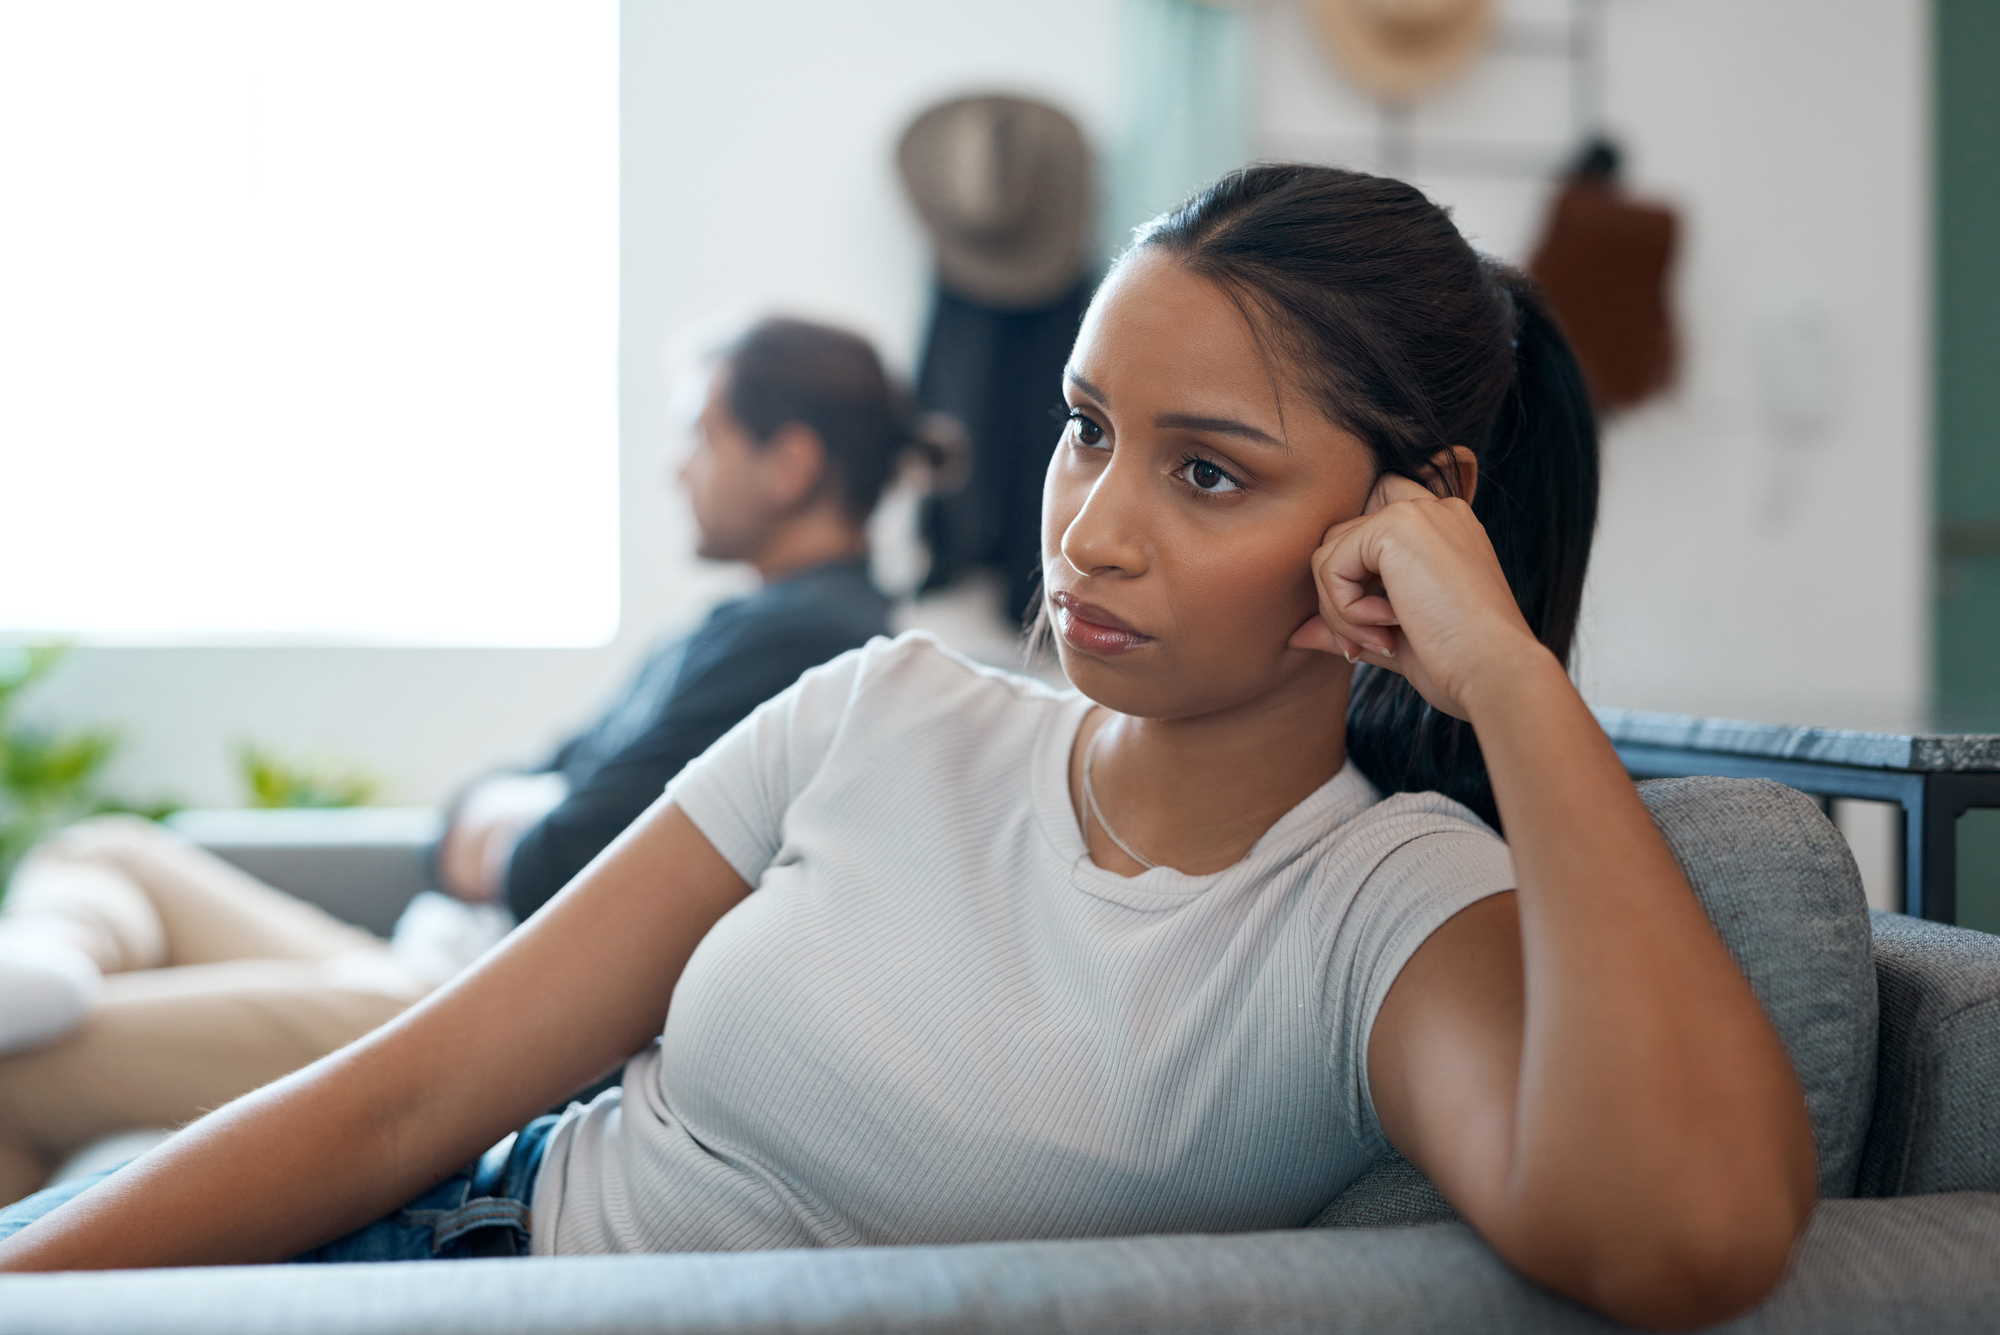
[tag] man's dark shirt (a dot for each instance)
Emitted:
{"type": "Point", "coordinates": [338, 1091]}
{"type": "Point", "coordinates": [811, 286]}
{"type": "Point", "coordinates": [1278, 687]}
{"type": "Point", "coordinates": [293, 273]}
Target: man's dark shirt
{"type": "Point", "coordinates": [688, 694]}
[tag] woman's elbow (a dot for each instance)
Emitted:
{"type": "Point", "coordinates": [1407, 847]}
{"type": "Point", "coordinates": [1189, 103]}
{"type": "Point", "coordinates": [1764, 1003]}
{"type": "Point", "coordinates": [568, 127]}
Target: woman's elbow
{"type": "Point", "coordinates": [1699, 1271]}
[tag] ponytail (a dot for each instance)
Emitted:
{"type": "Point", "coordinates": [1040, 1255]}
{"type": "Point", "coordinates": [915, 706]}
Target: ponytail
{"type": "Point", "coordinates": [1537, 492]}
{"type": "Point", "coordinates": [1537, 497]}
{"type": "Point", "coordinates": [784, 371]}
{"type": "Point", "coordinates": [1408, 339]}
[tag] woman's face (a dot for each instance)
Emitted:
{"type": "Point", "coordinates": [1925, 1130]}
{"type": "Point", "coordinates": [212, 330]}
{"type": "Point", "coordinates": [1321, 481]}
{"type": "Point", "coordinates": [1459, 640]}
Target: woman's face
{"type": "Point", "coordinates": [1191, 486]}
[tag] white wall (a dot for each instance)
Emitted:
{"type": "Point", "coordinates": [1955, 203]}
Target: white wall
{"type": "Point", "coordinates": [758, 141]}
{"type": "Point", "coordinates": [1744, 572]}
{"type": "Point", "coordinates": [1737, 572]}
{"type": "Point", "coordinates": [1741, 569]}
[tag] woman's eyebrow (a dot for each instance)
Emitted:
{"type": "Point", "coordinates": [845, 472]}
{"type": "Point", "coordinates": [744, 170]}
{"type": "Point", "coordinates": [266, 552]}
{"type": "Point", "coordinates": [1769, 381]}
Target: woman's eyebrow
{"type": "Point", "coordinates": [1075, 377]}
{"type": "Point", "coordinates": [1221, 426]}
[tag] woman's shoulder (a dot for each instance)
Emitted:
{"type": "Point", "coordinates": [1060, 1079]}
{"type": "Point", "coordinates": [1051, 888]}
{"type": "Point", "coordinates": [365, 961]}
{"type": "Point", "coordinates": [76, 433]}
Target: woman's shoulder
{"type": "Point", "coordinates": [1425, 841]}
{"type": "Point", "coordinates": [921, 673]}
{"type": "Point", "coordinates": [1398, 867]}
{"type": "Point", "coordinates": [890, 688]}
{"type": "Point", "coordinates": [1378, 832]}
{"type": "Point", "coordinates": [1424, 811]}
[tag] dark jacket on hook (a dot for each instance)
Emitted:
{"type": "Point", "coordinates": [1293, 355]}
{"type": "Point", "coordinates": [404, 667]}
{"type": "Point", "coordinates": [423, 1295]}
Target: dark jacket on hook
{"type": "Point", "coordinates": [1000, 373]}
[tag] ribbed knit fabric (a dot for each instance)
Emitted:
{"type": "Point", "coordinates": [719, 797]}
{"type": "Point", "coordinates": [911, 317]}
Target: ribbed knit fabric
{"type": "Point", "coordinates": [936, 1020]}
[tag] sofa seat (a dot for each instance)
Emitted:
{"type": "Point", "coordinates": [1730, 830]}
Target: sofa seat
{"type": "Point", "coordinates": [1929, 1265]}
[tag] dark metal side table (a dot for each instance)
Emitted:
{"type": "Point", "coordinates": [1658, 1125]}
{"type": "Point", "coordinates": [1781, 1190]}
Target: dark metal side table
{"type": "Point", "coordinates": [1935, 778]}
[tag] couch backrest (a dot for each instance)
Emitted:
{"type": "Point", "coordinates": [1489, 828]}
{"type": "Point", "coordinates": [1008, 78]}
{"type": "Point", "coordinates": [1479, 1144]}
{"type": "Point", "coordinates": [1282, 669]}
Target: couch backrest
{"type": "Point", "coordinates": [1936, 1124]}
{"type": "Point", "coordinates": [1781, 887]}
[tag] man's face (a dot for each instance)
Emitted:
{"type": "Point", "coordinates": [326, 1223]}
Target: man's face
{"type": "Point", "coordinates": [733, 510]}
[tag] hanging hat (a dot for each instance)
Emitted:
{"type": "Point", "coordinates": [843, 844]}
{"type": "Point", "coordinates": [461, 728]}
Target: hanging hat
{"type": "Point", "coordinates": [1399, 50]}
{"type": "Point", "coordinates": [1003, 187]}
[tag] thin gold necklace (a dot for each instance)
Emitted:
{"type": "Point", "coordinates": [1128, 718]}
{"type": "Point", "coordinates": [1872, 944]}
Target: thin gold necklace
{"type": "Point", "coordinates": [1090, 800]}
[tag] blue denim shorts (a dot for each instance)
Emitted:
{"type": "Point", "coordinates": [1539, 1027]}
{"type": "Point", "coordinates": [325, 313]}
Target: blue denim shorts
{"type": "Point", "coordinates": [481, 1210]}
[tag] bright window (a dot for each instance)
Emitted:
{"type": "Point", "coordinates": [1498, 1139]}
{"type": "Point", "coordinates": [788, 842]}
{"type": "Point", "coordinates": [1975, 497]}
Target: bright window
{"type": "Point", "coordinates": [308, 321]}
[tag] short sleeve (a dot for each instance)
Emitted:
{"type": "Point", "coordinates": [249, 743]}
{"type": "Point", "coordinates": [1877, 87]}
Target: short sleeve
{"type": "Point", "coordinates": [737, 791]}
{"type": "Point", "coordinates": [1435, 866]}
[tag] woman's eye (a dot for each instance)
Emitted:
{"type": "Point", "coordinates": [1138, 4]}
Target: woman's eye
{"type": "Point", "coordinates": [1205, 476]}
{"type": "Point", "coordinates": [1087, 431]}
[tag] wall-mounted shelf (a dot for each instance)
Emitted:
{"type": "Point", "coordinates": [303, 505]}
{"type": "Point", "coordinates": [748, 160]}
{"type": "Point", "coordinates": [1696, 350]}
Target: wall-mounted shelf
{"type": "Point", "coordinates": [1575, 44]}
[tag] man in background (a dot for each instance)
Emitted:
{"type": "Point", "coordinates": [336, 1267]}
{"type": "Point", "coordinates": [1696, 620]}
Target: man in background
{"type": "Point", "coordinates": [144, 981]}
{"type": "Point", "coordinates": [798, 437]}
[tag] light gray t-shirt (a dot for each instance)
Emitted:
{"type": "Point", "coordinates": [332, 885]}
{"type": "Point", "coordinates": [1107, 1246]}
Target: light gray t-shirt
{"type": "Point", "coordinates": [936, 1020]}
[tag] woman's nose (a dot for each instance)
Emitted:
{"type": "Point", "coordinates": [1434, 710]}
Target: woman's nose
{"type": "Point", "coordinates": [1107, 535]}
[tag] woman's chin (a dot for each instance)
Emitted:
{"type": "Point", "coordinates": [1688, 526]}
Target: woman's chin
{"type": "Point", "coordinates": [1086, 670]}
{"type": "Point", "coordinates": [1159, 684]}
{"type": "Point", "coordinates": [1138, 685]}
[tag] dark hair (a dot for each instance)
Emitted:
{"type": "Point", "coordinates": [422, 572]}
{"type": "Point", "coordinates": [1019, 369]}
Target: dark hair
{"type": "Point", "coordinates": [1411, 340]}
{"type": "Point", "coordinates": [784, 371]}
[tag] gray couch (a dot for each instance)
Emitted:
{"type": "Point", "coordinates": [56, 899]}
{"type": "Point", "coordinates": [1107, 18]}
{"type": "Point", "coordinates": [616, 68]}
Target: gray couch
{"type": "Point", "coordinates": [1892, 1022]}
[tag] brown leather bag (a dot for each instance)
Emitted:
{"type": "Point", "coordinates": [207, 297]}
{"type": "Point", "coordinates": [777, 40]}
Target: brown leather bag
{"type": "Point", "coordinates": [1604, 261]}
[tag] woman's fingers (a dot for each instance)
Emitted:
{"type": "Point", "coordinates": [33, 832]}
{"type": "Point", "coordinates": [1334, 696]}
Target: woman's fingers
{"type": "Point", "coordinates": [1351, 597]}
{"type": "Point", "coordinates": [1393, 487]}
{"type": "Point", "coordinates": [1317, 635]}
{"type": "Point", "coordinates": [1356, 617]}
{"type": "Point", "coordinates": [1351, 642]}
{"type": "Point", "coordinates": [1412, 586]}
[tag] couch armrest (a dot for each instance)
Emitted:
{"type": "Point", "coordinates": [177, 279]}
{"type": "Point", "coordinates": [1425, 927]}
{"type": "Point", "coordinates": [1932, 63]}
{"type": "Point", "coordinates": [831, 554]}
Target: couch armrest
{"type": "Point", "coordinates": [361, 864]}
{"type": "Point", "coordinates": [1921, 1267]}
{"type": "Point", "coordinates": [1936, 1125]}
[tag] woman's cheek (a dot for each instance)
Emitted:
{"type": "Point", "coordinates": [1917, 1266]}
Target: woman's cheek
{"type": "Point", "coordinates": [1253, 594]}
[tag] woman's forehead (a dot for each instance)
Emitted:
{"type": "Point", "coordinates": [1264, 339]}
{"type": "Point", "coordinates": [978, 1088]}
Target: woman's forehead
{"type": "Point", "coordinates": [1157, 332]}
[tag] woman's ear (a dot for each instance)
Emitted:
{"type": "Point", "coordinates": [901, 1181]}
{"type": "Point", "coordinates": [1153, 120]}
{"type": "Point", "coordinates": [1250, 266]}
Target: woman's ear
{"type": "Point", "coordinates": [1457, 471]}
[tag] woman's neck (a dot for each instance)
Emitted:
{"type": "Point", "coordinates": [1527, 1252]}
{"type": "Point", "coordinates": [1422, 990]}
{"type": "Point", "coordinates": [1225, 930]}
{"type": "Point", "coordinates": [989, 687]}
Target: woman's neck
{"type": "Point", "coordinates": [1197, 794]}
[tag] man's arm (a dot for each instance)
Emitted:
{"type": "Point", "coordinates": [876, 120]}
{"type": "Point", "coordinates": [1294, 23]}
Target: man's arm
{"type": "Point", "coordinates": [719, 685]}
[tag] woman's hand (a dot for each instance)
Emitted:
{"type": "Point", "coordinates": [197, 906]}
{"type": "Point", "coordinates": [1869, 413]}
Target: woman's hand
{"type": "Point", "coordinates": [1413, 586]}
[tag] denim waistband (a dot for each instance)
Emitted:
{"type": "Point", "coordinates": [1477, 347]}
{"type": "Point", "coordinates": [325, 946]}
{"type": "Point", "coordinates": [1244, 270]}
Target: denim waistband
{"type": "Point", "coordinates": [511, 1167]}
{"type": "Point", "coordinates": [481, 1210]}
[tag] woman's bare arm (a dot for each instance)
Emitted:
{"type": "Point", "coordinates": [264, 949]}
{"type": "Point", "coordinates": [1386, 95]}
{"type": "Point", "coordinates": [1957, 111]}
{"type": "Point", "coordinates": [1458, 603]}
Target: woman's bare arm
{"type": "Point", "coordinates": [580, 987]}
{"type": "Point", "coordinates": [1578, 1065]}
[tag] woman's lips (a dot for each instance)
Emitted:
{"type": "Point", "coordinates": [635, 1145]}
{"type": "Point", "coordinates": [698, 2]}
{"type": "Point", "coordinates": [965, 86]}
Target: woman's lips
{"type": "Point", "coordinates": [1093, 629]}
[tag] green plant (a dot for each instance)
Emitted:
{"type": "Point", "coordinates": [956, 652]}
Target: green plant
{"type": "Point", "coordinates": [48, 777]}
{"type": "Point", "coordinates": [271, 780]}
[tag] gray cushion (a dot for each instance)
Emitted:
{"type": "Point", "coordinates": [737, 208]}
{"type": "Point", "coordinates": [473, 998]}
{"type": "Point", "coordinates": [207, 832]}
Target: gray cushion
{"type": "Point", "coordinates": [1782, 889]}
{"type": "Point", "coordinates": [1937, 1098]}
{"type": "Point", "coordinates": [1922, 1265]}
{"type": "Point", "coordinates": [1393, 1193]}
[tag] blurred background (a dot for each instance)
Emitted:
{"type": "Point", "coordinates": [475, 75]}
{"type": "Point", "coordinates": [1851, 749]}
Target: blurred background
{"type": "Point", "coordinates": [337, 343]}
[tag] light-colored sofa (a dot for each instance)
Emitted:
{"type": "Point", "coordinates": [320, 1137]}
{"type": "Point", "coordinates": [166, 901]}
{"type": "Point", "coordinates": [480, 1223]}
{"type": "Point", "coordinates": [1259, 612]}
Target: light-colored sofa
{"type": "Point", "coordinates": [1892, 1022]}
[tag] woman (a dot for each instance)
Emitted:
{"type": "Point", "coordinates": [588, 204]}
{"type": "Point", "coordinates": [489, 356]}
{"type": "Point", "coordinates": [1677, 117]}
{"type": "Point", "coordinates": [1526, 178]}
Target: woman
{"type": "Point", "coordinates": [960, 1006]}
{"type": "Point", "coordinates": [144, 980]}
